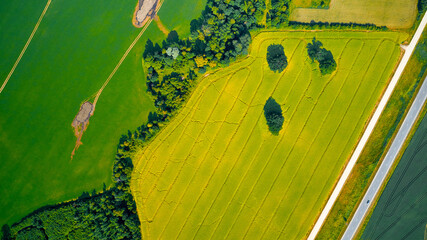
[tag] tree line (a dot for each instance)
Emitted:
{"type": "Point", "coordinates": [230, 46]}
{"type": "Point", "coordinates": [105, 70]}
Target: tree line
{"type": "Point", "coordinates": [110, 214]}
{"type": "Point", "coordinates": [219, 36]}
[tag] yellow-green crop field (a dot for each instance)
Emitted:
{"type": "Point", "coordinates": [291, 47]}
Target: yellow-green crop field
{"type": "Point", "coordinates": [216, 171]}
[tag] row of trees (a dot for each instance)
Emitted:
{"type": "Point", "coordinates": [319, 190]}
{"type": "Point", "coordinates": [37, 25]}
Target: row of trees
{"type": "Point", "coordinates": [108, 215]}
{"type": "Point", "coordinates": [278, 15]}
{"type": "Point", "coordinates": [313, 25]}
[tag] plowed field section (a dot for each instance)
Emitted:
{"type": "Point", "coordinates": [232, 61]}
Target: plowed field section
{"type": "Point", "coordinates": [216, 171]}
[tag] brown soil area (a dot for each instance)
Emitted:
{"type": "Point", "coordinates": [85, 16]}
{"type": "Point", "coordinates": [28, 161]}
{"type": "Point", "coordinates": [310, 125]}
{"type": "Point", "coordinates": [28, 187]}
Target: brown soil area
{"type": "Point", "coordinates": [80, 123]}
{"type": "Point", "coordinates": [151, 13]}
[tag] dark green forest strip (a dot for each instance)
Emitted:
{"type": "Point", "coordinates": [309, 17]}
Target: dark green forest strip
{"type": "Point", "coordinates": [377, 144]}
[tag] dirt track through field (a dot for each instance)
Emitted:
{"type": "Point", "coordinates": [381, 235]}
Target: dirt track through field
{"type": "Point", "coordinates": [26, 46]}
{"type": "Point", "coordinates": [80, 128]}
{"type": "Point", "coordinates": [79, 133]}
{"type": "Point", "coordinates": [123, 58]}
{"type": "Point", "coordinates": [119, 63]}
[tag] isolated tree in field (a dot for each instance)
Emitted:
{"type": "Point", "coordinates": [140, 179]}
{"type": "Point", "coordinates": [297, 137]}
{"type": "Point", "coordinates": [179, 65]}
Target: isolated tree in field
{"type": "Point", "coordinates": [324, 57]}
{"type": "Point", "coordinates": [273, 115]}
{"type": "Point", "coordinates": [313, 49]}
{"type": "Point", "coordinates": [276, 58]}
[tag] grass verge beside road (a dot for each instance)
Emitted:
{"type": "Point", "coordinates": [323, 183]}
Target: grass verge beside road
{"type": "Point", "coordinates": [377, 144]}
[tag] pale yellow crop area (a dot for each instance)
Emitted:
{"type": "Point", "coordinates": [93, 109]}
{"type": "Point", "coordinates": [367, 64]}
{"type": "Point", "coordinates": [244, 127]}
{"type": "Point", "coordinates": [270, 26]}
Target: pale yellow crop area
{"type": "Point", "coordinates": [216, 172]}
{"type": "Point", "coordinates": [390, 13]}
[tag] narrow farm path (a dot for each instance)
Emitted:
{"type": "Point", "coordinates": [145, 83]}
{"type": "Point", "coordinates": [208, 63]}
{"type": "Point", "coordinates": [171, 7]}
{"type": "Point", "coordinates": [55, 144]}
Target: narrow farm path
{"type": "Point", "coordinates": [119, 64]}
{"type": "Point", "coordinates": [123, 58]}
{"type": "Point", "coordinates": [368, 131]}
{"type": "Point", "coordinates": [25, 46]}
{"type": "Point", "coordinates": [80, 128]}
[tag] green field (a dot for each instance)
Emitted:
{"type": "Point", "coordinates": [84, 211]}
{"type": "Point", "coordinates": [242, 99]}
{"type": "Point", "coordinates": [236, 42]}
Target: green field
{"type": "Point", "coordinates": [76, 47]}
{"type": "Point", "coordinates": [217, 172]}
{"type": "Point", "coordinates": [16, 28]}
{"type": "Point", "coordinates": [402, 208]}
{"type": "Point", "coordinates": [390, 13]}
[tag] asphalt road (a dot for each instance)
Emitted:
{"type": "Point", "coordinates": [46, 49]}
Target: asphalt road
{"type": "Point", "coordinates": [387, 163]}
{"type": "Point", "coordinates": [371, 125]}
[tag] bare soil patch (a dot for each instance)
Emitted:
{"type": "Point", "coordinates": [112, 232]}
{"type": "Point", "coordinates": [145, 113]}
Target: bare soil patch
{"type": "Point", "coordinates": [144, 10]}
{"type": "Point", "coordinates": [80, 123]}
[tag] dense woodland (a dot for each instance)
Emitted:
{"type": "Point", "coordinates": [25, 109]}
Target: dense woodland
{"type": "Point", "coordinates": [218, 37]}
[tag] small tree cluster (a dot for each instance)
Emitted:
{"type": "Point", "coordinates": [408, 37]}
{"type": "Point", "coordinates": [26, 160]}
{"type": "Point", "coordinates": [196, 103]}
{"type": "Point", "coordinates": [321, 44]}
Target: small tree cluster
{"type": "Point", "coordinates": [278, 15]}
{"type": "Point", "coordinates": [276, 58]}
{"type": "Point", "coordinates": [324, 57]}
{"type": "Point", "coordinates": [273, 115]}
